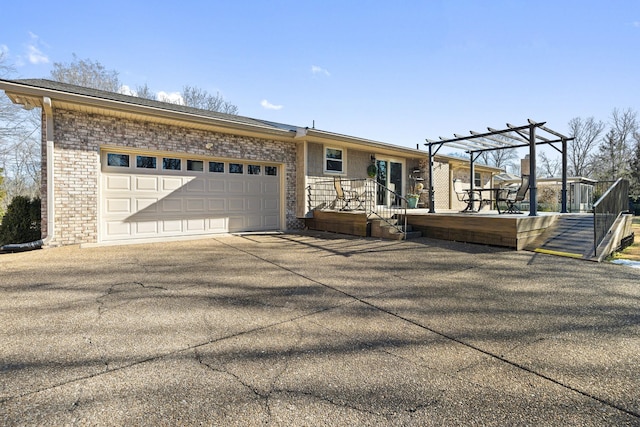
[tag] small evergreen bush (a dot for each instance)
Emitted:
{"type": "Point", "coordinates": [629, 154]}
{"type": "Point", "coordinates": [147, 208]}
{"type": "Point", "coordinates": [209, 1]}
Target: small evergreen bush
{"type": "Point", "coordinates": [21, 221]}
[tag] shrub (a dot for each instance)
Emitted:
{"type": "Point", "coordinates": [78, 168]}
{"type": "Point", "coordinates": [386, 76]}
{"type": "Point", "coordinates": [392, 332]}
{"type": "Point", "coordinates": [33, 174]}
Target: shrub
{"type": "Point", "coordinates": [21, 221]}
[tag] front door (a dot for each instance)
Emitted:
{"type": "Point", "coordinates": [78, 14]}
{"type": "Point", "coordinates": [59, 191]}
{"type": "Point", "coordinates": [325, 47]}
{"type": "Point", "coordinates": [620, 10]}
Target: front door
{"type": "Point", "coordinates": [389, 178]}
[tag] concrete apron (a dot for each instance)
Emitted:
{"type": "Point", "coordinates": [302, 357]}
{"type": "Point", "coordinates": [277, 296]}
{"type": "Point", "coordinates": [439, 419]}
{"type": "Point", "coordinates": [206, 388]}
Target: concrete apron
{"type": "Point", "coordinates": [316, 329]}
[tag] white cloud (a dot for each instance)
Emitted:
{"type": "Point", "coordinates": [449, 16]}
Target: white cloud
{"type": "Point", "coordinates": [173, 97]}
{"type": "Point", "coordinates": [126, 90]}
{"type": "Point", "coordinates": [4, 49]}
{"type": "Point", "coordinates": [319, 70]}
{"type": "Point", "coordinates": [34, 53]}
{"type": "Point", "coordinates": [269, 106]}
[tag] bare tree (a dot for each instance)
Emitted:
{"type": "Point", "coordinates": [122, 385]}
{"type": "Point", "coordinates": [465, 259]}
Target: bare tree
{"type": "Point", "coordinates": [548, 167]}
{"type": "Point", "coordinates": [586, 133]}
{"type": "Point", "coordinates": [87, 73]}
{"type": "Point", "coordinates": [635, 167]}
{"type": "Point", "coordinates": [19, 146]}
{"type": "Point", "coordinates": [199, 98]}
{"type": "Point", "coordinates": [145, 92]}
{"type": "Point", "coordinates": [612, 161]}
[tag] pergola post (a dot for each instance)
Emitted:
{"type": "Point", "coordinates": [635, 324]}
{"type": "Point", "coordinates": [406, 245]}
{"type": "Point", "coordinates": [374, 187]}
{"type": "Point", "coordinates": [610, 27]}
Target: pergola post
{"type": "Point", "coordinates": [533, 186]}
{"type": "Point", "coordinates": [564, 176]}
{"type": "Point", "coordinates": [432, 203]}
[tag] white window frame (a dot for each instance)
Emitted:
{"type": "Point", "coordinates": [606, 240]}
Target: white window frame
{"type": "Point", "coordinates": [343, 170]}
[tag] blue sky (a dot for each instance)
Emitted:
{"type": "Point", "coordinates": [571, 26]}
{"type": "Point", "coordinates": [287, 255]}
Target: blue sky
{"type": "Point", "coordinates": [396, 72]}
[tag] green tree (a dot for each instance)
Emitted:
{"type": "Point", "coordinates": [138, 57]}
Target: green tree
{"type": "Point", "coordinates": [21, 222]}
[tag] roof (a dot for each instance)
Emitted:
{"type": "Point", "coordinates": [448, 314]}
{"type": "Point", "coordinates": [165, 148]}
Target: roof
{"type": "Point", "coordinates": [30, 93]}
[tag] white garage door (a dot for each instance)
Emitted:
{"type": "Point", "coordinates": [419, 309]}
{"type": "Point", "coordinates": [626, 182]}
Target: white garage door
{"type": "Point", "coordinates": [146, 196]}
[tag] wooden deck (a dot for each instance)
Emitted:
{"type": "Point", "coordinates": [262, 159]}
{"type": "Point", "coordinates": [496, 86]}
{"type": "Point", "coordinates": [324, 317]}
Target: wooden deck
{"type": "Point", "coordinates": [489, 228]}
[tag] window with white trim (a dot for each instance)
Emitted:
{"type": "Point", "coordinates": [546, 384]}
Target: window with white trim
{"type": "Point", "coordinates": [334, 160]}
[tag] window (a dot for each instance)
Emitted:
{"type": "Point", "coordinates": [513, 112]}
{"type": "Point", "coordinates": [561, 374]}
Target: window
{"type": "Point", "coordinates": [145, 162]}
{"type": "Point", "coordinates": [477, 181]}
{"type": "Point", "coordinates": [253, 170]}
{"type": "Point", "coordinates": [333, 160]}
{"type": "Point", "coordinates": [236, 168]}
{"type": "Point", "coordinates": [216, 167]}
{"type": "Point", "coordinates": [118, 160]}
{"type": "Point", "coordinates": [171, 164]}
{"type": "Point", "coordinates": [195, 165]}
{"type": "Point", "coordinates": [271, 170]}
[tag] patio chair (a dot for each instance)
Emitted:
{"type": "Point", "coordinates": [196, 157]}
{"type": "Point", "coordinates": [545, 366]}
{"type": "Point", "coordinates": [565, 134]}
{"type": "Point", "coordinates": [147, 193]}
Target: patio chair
{"type": "Point", "coordinates": [465, 195]}
{"type": "Point", "coordinates": [345, 196]}
{"type": "Point", "coordinates": [510, 197]}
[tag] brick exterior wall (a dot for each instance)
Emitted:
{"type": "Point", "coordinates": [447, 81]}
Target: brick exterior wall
{"type": "Point", "coordinates": [79, 136]}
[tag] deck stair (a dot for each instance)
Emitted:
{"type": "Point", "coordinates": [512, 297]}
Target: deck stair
{"type": "Point", "coordinates": [388, 229]}
{"type": "Point", "coordinates": [570, 236]}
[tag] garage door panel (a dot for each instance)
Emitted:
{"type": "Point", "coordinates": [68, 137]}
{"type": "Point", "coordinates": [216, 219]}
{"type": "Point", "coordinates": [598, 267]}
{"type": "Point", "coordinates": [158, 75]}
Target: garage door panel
{"type": "Point", "coordinates": [271, 221]}
{"type": "Point", "coordinates": [254, 205]}
{"type": "Point", "coordinates": [216, 205]}
{"type": "Point", "coordinates": [271, 187]}
{"type": "Point", "coordinates": [118, 205]}
{"type": "Point", "coordinates": [218, 225]}
{"type": "Point", "coordinates": [171, 205]}
{"type": "Point", "coordinates": [146, 183]}
{"type": "Point", "coordinates": [118, 182]}
{"type": "Point", "coordinates": [216, 185]}
{"type": "Point", "coordinates": [271, 204]}
{"type": "Point", "coordinates": [146, 205]}
{"type": "Point", "coordinates": [235, 187]}
{"type": "Point", "coordinates": [118, 228]}
{"type": "Point", "coordinates": [236, 223]}
{"type": "Point", "coordinates": [196, 185]}
{"type": "Point", "coordinates": [146, 227]}
{"type": "Point", "coordinates": [235, 204]}
{"type": "Point", "coordinates": [254, 187]}
{"type": "Point", "coordinates": [171, 184]}
{"type": "Point", "coordinates": [195, 205]}
{"type": "Point", "coordinates": [196, 224]}
{"type": "Point", "coordinates": [172, 226]}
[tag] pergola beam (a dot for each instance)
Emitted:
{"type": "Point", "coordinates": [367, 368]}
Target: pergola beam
{"type": "Point", "coordinates": [511, 137]}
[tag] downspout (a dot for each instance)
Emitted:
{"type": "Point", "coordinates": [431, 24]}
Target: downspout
{"type": "Point", "coordinates": [37, 244]}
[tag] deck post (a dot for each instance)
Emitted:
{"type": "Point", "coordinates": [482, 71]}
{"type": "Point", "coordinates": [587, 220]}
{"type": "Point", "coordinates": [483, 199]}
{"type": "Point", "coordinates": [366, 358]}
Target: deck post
{"type": "Point", "coordinates": [533, 184]}
{"type": "Point", "coordinates": [564, 176]}
{"type": "Point", "coordinates": [432, 203]}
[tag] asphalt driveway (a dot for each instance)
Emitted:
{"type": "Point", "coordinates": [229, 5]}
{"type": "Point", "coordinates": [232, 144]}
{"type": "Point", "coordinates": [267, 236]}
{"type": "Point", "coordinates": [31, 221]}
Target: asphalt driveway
{"type": "Point", "coordinates": [316, 329]}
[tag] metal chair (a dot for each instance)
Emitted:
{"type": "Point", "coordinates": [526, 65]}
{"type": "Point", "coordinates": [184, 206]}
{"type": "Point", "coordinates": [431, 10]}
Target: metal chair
{"type": "Point", "coordinates": [511, 197]}
{"type": "Point", "coordinates": [465, 195]}
{"type": "Point", "coordinates": [345, 196]}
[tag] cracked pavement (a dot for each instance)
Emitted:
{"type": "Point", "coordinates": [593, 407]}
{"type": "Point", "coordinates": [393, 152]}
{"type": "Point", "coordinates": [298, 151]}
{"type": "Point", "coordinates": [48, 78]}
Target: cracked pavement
{"type": "Point", "coordinates": [316, 329]}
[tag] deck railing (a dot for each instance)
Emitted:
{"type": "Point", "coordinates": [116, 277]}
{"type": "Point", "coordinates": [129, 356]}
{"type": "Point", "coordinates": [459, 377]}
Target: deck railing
{"type": "Point", "coordinates": [323, 195]}
{"type": "Point", "coordinates": [607, 210]}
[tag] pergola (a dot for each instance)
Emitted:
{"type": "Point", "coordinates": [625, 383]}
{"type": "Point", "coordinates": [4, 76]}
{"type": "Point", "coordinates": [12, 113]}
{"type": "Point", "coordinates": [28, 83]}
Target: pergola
{"type": "Point", "coordinates": [529, 135]}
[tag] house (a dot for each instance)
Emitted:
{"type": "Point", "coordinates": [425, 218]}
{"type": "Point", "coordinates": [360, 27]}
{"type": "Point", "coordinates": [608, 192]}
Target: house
{"type": "Point", "coordinates": [580, 192]}
{"type": "Point", "coordinates": [120, 169]}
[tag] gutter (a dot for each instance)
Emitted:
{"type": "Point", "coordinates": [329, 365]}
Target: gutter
{"type": "Point", "coordinates": [37, 244]}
